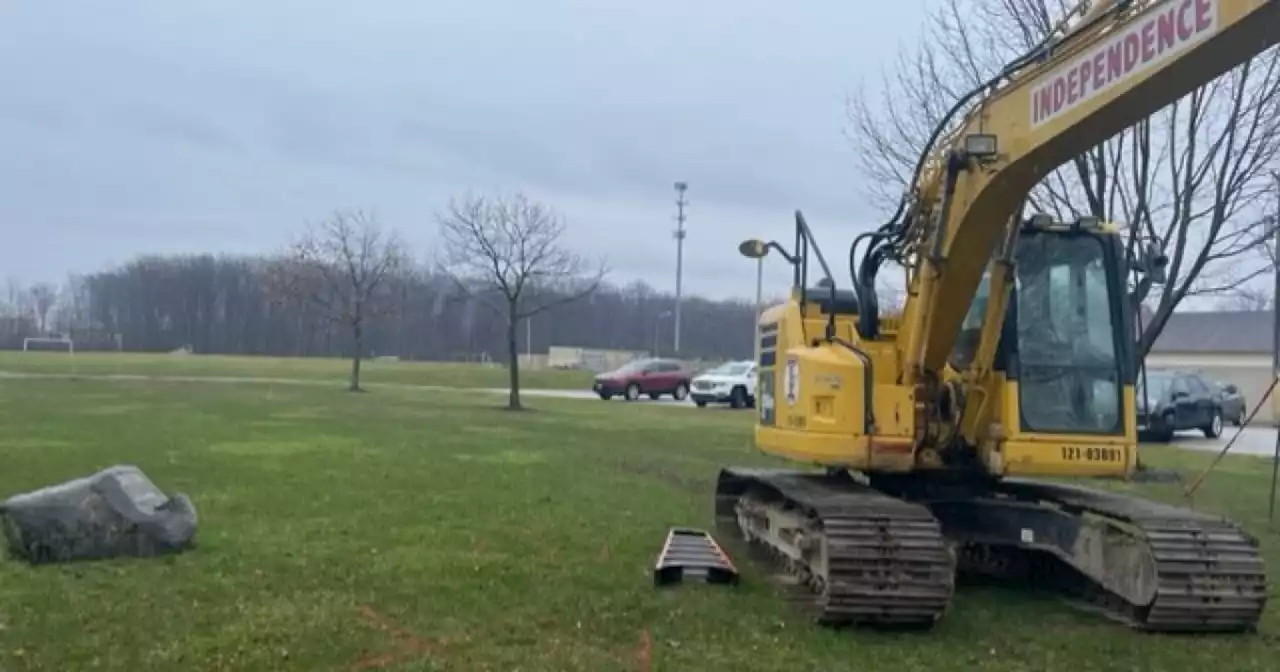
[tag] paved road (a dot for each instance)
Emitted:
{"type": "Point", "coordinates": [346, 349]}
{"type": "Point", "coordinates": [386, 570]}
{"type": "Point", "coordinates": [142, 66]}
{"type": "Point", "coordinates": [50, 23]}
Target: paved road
{"type": "Point", "coordinates": [589, 395]}
{"type": "Point", "coordinates": [1252, 441]}
{"type": "Point", "coordinates": [1258, 440]}
{"type": "Point", "coordinates": [560, 394]}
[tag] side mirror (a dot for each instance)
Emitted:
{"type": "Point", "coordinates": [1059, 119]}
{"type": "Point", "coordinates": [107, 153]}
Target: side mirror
{"type": "Point", "coordinates": [1231, 389]}
{"type": "Point", "coordinates": [1179, 395]}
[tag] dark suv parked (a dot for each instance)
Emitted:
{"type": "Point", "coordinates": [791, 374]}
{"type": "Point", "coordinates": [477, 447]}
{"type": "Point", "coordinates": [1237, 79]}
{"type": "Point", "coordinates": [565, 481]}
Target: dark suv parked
{"type": "Point", "coordinates": [1232, 401]}
{"type": "Point", "coordinates": [1175, 401]}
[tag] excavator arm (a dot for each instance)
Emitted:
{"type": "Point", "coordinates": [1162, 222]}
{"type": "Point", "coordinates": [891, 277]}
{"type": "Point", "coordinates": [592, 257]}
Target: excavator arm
{"type": "Point", "coordinates": [1120, 63]}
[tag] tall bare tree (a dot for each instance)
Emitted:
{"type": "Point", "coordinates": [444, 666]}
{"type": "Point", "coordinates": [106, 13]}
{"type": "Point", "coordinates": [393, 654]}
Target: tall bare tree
{"type": "Point", "coordinates": [221, 304]}
{"type": "Point", "coordinates": [73, 309]}
{"type": "Point", "coordinates": [508, 252]}
{"type": "Point", "coordinates": [1190, 178]}
{"type": "Point", "coordinates": [43, 298]}
{"type": "Point", "coordinates": [1254, 297]}
{"type": "Point", "coordinates": [1247, 299]}
{"type": "Point", "coordinates": [340, 270]}
{"type": "Point", "coordinates": [17, 299]}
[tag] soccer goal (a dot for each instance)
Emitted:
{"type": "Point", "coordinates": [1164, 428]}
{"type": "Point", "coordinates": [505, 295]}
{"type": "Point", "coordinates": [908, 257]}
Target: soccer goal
{"type": "Point", "coordinates": [48, 344]}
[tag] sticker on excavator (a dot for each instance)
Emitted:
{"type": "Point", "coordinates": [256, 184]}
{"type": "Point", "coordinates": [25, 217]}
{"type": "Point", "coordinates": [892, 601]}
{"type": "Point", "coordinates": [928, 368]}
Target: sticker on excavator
{"type": "Point", "coordinates": [768, 414]}
{"type": "Point", "coordinates": [1092, 454]}
{"type": "Point", "coordinates": [695, 554]}
{"type": "Point", "coordinates": [791, 380]}
{"type": "Point", "coordinates": [1136, 47]}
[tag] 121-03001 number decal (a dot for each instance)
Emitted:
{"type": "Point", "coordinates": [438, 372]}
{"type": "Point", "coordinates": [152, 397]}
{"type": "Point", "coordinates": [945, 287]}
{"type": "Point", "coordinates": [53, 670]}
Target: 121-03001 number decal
{"type": "Point", "coordinates": [1092, 454]}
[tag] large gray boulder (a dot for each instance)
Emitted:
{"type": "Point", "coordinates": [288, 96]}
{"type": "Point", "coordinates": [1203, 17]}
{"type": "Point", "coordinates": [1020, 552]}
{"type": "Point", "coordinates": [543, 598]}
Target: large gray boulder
{"type": "Point", "coordinates": [115, 512]}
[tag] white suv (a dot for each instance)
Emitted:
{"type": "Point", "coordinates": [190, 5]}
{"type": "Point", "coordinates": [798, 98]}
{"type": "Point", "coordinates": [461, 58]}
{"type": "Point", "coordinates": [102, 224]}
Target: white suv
{"type": "Point", "coordinates": [732, 382]}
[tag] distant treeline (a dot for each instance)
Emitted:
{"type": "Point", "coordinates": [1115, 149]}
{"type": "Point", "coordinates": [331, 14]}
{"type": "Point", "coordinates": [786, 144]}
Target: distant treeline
{"type": "Point", "coordinates": [220, 304]}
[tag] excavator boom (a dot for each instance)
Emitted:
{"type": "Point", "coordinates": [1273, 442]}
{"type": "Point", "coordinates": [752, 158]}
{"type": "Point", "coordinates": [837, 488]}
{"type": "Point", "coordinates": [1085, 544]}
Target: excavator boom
{"type": "Point", "coordinates": [1121, 64]}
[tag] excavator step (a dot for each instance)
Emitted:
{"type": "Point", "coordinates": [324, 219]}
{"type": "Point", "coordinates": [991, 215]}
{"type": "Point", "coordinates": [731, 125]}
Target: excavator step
{"type": "Point", "coordinates": [694, 553]}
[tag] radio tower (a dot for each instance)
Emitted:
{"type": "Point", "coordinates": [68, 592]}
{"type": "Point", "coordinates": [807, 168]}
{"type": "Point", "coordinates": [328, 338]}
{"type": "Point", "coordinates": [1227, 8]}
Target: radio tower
{"type": "Point", "coordinates": [679, 236]}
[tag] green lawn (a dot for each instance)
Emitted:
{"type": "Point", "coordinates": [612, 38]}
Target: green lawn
{"type": "Point", "coordinates": [308, 368]}
{"type": "Point", "coordinates": [421, 531]}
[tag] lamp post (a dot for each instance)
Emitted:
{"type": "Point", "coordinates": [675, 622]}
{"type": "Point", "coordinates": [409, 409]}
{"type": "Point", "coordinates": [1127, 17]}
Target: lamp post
{"type": "Point", "coordinates": [681, 187]}
{"type": "Point", "coordinates": [1275, 344]}
{"type": "Point", "coordinates": [758, 250]}
{"type": "Point", "coordinates": [1275, 290]}
{"type": "Point", "coordinates": [657, 324]}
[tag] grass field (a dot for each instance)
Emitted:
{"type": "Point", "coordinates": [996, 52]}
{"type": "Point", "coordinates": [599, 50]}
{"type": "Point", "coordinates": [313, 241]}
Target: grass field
{"type": "Point", "coordinates": [416, 530]}
{"type": "Point", "coordinates": [373, 372]}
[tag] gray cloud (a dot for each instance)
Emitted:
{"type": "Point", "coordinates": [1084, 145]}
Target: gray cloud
{"type": "Point", "coordinates": [156, 126]}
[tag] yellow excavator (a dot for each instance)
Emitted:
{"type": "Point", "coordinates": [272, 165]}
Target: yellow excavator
{"type": "Point", "coordinates": [1012, 359]}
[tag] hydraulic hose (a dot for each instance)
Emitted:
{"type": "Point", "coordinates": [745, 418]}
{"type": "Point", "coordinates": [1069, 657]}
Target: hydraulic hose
{"type": "Point", "coordinates": [864, 278]}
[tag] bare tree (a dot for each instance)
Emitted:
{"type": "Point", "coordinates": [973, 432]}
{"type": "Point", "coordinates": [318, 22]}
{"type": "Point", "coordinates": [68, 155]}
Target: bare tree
{"type": "Point", "coordinates": [223, 304]}
{"type": "Point", "coordinates": [1185, 179]}
{"type": "Point", "coordinates": [43, 298]}
{"type": "Point", "coordinates": [73, 310]}
{"type": "Point", "coordinates": [17, 299]}
{"type": "Point", "coordinates": [507, 252]}
{"type": "Point", "coordinates": [340, 270]}
{"type": "Point", "coordinates": [1246, 297]}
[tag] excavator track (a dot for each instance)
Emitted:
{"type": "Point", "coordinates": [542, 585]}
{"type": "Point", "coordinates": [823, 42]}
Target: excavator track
{"type": "Point", "coordinates": [1209, 575]}
{"type": "Point", "coordinates": [856, 556]}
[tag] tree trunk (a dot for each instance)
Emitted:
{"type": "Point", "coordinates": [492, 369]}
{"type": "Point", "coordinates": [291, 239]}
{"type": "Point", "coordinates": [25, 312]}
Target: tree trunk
{"type": "Point", "coordinates": [513, 367]}
{"type": "Point", "coordinates": [357, 334]}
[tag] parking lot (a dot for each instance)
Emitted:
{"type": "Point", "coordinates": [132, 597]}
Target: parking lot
{"type": "Point", "coordinates": [592, 396]}
{"type": "Point", "coordinates": [1252, 441]}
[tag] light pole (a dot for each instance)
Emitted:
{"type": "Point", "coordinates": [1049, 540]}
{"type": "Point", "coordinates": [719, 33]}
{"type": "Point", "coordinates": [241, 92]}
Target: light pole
{"type": "Point", "coordinates": [758, 250]}
{"type": "Point", "coordinates": [656, 325]}
{"type": "Point", "coordinates": [679, 235]}
{"type": "Point", "coordinates": [1275, 291]}
{"type": "Point", "coordinates": [1275, 345]}
{"type": "Point", "coordinates": [759, 285]}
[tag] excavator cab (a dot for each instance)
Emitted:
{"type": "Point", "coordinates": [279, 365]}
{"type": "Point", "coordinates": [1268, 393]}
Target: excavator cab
{"type": "Point", "coordinates": [1064, 359]}
{"type": "Point", "coordinates": [1059, 397]}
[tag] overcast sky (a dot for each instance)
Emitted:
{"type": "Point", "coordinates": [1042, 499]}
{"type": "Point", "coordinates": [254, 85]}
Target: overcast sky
{"type": "Point", "coordinates": [218, 126]}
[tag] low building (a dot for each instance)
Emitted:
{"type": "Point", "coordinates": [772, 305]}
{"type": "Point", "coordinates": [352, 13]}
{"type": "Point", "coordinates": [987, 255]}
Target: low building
{"type": "Point", "coordinates": [1228, 346]}
{"type": "Point", "coordinates": [591, 359]}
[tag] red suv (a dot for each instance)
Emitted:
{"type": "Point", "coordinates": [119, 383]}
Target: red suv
{"type": "Point", "coordinates": [654, 377]}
